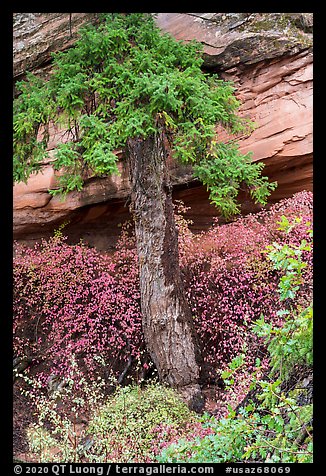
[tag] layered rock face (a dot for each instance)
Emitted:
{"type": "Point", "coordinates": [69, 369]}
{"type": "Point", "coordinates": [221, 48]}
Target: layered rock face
{"type": "Point", "coordinates": [37, 35]}
{"type": "Point", "coordinates": [269, 59]}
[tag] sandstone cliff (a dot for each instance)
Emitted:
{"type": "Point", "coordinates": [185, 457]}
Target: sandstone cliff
{"type": "Point", "coordinates": [269, 58]}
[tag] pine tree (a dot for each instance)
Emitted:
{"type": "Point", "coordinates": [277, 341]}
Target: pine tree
{"type": "Point", "coordinates": [125, 85]}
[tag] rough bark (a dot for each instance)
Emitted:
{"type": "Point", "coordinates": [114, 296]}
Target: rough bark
{"type": "Point", "coordinates": [167, 321]}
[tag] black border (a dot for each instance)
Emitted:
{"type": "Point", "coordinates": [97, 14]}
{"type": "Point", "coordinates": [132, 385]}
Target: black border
{"type": "Point", "coordinates": [7, 200]}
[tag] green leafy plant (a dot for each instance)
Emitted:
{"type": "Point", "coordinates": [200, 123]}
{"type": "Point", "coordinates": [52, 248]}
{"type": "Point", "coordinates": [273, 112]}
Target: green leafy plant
{"type": "Point", "coordinates": [225, 444]}
{"type": "Point", "coordinates": [123, 79]}
{"type": "Point", "coordinates": [277, 425]}
{"type": "Point", "coordinates": [234, 366]}
{"type": "Point", "coordinates": [123, 429]}
{"type": "Point", "coordinates": [290, 344]}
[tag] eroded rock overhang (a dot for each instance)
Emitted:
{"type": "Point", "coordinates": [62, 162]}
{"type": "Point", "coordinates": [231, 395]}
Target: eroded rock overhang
{"type": "Point", "coordinates": [269, 59]}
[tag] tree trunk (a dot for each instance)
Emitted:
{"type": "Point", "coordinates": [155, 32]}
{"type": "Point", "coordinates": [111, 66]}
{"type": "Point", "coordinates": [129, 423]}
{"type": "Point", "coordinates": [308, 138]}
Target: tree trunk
{"type": "Point", "coordinates": [167, 321]}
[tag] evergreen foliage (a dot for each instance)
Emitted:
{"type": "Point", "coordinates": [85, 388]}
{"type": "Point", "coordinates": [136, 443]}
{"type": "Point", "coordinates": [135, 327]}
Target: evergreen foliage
{"type": "Point", "coordinates": [125, 79]}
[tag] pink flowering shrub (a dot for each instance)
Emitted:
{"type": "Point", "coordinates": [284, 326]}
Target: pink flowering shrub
{"type": "Point", "coordinates": [136, 420]}
{"type": "Point", "coordinates": [71, 300]}
{"type": "Point", "coordinates": [229, 281]}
